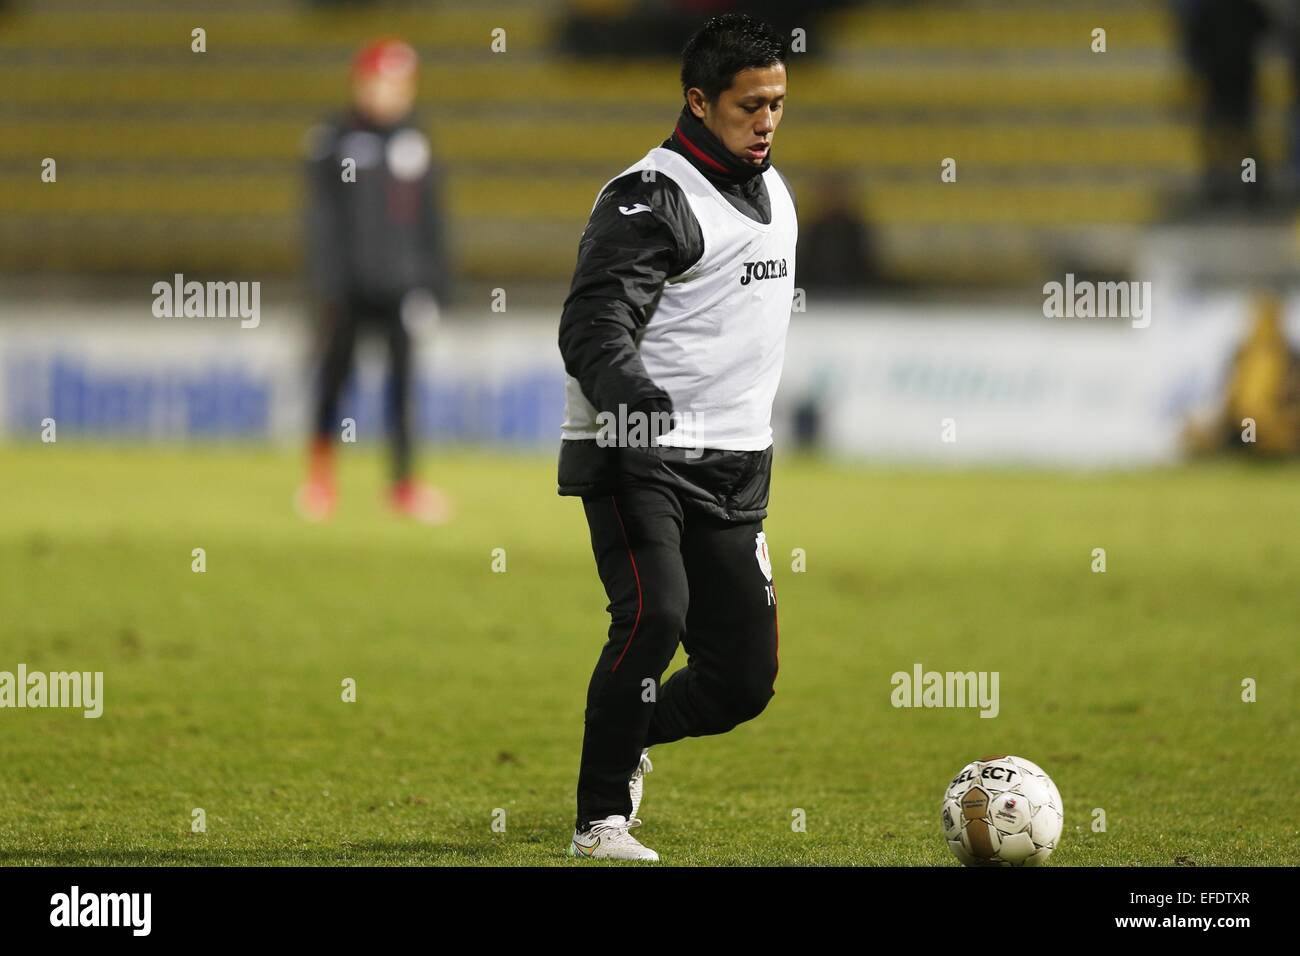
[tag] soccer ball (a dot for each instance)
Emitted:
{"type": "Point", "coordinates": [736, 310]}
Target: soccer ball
{"type": "Point", "coordinates": [1002, 811]}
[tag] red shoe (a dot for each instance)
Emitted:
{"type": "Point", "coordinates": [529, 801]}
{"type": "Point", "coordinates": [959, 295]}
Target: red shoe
{"type": "Point", "coordinates": [424, 503]}
{"type": "Point", "coordinates": [317, 497]}
{"type": "Point", "coordinates": [315, 500]}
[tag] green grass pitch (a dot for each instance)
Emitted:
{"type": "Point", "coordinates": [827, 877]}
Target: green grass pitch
{"type": "Point", "coordinates": [223, 689]}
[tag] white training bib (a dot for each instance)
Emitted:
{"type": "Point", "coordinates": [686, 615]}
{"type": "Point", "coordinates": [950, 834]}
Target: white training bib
{"type": "Point", "coordinates": [716, 340]}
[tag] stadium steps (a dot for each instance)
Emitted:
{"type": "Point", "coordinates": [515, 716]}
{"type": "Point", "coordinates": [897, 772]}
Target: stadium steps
{"type": "Point", "coordinates": [538, 251]}
{"type": "Point", "coordinates": [233, 195]}
{"type": "Point", "coordinates": [251, 87]}
{"type": "Point", "coordinates": [195, 157]}
{"type": "Point", "coordinates": [876, 145]}
{"type": "Point", "coordinates": [284, 28]}
{"type": "Point", "coordinates": [961, 26]}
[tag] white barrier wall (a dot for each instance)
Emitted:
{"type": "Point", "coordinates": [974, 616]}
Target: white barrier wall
{"type": "Point", "coordinates": [1016, 387]}
{"type": "Point", "coordinates": [106, 372]}
{"type": "Point", "coordinates": [982, 385]}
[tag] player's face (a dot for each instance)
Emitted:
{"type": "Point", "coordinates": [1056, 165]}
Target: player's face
{"type": "Point", "coordinates": [746, 115]}
{"type": "Point", "coordinates": [385, 97]}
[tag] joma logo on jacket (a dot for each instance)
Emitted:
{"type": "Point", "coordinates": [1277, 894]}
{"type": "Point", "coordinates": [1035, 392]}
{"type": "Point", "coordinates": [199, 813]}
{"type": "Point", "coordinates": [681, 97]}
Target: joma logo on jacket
{"type": "Point", "coordinates": [764, 269]}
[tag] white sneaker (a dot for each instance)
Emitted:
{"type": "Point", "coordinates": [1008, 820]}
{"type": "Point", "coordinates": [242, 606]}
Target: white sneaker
{"type": "Point", "coordinates": [636, 786]}
{"type": "Point", "coordinates": [608, 839]}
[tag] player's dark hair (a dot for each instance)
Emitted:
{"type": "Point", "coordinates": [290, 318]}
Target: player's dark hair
{"type": "Point", "coordinates": [723, 47]}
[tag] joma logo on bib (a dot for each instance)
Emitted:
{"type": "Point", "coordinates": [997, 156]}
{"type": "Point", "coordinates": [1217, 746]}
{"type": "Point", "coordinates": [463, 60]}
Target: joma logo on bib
{"type": "Point", "coordinates": [764, 269]}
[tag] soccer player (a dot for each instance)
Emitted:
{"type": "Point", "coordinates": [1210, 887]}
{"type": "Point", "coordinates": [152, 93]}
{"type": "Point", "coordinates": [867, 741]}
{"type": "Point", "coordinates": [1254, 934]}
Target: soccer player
{"type": "Point", "coordinates": [675, 327]}
{"type": "Point", "coordinates": [377, 259]}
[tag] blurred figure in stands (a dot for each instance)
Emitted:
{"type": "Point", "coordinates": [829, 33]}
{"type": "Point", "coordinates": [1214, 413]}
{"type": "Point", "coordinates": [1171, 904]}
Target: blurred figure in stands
{"type": "Point", "coordinates": [836, 254]}
{"type": "Point", "coordinates": [377, 259]}
{"type": "Point", "coordinates": [1261, 408]}
{"type": "Point", "coordinates": [1221, 40]}
{"type": "Point", "coordinates": [1265, 386]}
{"type": "Point", "coordinates": [1285, 16]}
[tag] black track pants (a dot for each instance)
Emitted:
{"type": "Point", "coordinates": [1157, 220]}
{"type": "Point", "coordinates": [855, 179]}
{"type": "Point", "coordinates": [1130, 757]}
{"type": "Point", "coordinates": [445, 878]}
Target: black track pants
{"type": "Point", "coordinates": [344, 325]}
{"type": "Point", "coordinates": [671, 574]}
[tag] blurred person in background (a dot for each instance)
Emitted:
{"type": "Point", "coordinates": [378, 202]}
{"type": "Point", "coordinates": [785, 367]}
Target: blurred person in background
{"type": "Point", "coordinates": [836, 248]}
{"type": "Point", "coordinates": [1285, 15]}
{"type": "Point", "coordinates": [1221, 40]}
{"type": "Point", "coordinates": [377, 260]}
{"type": "Point", "coordinates": [1263, 387]}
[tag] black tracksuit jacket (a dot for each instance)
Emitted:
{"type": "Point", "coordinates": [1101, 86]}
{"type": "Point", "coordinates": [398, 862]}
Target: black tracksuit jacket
{"type": "Point", "coordinates": [383, 235]}
{"type": "Point", "coordinates": [623, 263]}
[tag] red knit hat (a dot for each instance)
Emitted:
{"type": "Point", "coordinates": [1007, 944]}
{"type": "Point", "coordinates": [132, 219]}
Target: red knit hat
{"type": "Point", "coordinates": [387, 56]}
